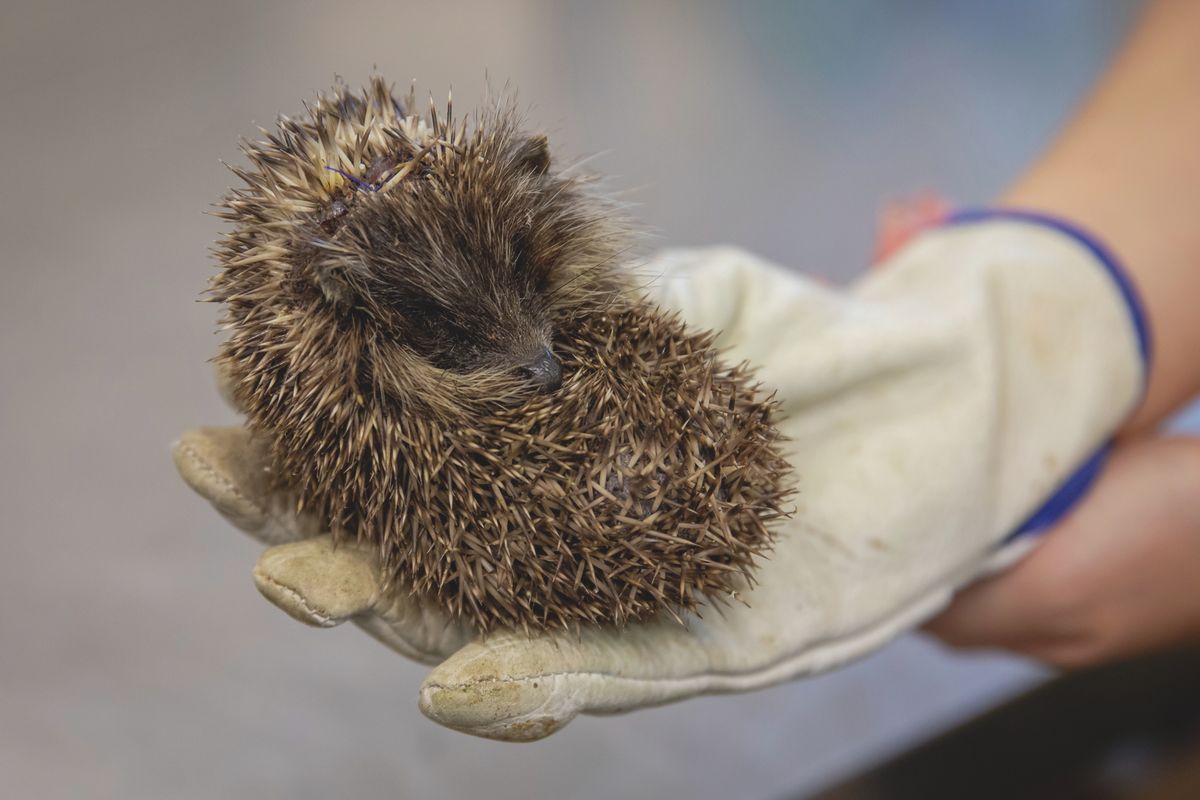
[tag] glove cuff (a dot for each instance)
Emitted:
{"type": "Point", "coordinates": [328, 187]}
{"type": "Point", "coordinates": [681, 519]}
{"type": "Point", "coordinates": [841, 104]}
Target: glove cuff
{"type": "Point", "coordinates": [1077, 484]}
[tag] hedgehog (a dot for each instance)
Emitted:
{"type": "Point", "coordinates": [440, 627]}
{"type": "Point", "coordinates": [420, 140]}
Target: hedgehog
{"type": "Point", "coordinates": [443, 342]}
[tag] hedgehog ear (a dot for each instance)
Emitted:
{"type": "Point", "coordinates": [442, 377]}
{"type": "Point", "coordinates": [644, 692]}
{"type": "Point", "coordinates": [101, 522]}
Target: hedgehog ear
{"type": "Point", "coordinates": [533, 156]}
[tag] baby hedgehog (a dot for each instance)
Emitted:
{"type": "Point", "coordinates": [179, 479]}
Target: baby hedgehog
{"type": "Point", "coordinates": [435, 332]}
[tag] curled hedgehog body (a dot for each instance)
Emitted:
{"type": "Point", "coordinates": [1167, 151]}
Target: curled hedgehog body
{"type": "Point", "coordinates": [436, 334]}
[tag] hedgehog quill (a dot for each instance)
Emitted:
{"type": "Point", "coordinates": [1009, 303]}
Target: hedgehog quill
{"type": "Point", "coordinates": [440, 338]}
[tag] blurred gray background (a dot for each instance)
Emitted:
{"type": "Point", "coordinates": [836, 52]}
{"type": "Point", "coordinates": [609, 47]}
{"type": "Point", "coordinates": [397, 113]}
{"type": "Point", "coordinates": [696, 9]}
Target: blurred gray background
{"type": "Point", "coordinates": [136, 658]}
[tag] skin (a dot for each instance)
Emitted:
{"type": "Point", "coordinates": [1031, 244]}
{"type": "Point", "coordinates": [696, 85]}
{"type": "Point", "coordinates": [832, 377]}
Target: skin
{"type": "Point", "coordinates": [1121, 574]}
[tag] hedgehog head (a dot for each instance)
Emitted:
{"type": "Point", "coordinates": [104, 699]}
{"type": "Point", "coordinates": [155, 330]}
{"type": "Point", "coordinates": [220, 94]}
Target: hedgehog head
{"type": "Point", "coordinates": [453, 248]}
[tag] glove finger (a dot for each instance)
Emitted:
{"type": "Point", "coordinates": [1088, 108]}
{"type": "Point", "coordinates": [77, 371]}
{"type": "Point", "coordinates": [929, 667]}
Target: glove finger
{"type": "Point", "coordinates": [317, 583]}
{"type": "Point", "coordinates": [513, 688]}
{"type": "Point", "coordinates": [231, 469]}
{"type": "Point", "coordinates": [323, 584]}
{"type": "Point", "coordinates": [510, 687]}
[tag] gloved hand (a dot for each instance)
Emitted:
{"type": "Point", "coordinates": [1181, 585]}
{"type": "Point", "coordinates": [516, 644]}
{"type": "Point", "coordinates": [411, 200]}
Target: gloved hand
{"type": "Point", "coordinates": [932, 411]}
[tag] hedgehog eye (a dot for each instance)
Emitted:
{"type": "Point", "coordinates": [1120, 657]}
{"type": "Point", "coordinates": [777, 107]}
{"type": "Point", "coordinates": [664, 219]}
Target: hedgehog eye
{"type": "Point", "coordinates": [431, 332]}
{"type": "Point", "coordinates": [535, 275]}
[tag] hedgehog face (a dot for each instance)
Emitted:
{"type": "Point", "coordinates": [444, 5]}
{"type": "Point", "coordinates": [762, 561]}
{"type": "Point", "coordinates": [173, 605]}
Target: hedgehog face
{"type": "Point", "coordinates": [464, 281]}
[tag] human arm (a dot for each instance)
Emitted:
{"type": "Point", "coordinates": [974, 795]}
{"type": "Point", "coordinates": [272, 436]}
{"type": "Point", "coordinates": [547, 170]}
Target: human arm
{"type": "Point", "coordinates": [1122, 573]}
{"type": "Point", "coordinates": [1128, 169]}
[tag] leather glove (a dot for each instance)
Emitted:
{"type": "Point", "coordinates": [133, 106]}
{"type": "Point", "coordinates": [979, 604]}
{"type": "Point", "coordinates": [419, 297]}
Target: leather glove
{"type": "Point", "coordinates": [940, 412]}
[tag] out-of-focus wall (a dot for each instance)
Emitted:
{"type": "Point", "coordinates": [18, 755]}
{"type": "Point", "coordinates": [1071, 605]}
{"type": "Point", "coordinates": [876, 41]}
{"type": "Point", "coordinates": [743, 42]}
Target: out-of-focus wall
{"type": "Point", "coordinates": [136, 659]}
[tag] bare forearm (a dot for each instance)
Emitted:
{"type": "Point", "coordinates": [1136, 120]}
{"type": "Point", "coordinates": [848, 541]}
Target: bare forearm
{"type": "Point", "coordinates": [1128, 168]}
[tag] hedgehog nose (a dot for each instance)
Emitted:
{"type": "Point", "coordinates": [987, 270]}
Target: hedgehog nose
{"type": "Point", "coordinates": [544, 371]}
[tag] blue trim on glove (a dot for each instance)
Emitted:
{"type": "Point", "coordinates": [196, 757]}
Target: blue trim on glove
{"type": "Point", "coordinates": [1062, 501]}
{"type": "Point", "coordinates": [1077, 484]}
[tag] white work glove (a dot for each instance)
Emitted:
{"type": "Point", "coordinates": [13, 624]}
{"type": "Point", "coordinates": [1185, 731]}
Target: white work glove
{"type": "Point", "coordinates": [931, 409]}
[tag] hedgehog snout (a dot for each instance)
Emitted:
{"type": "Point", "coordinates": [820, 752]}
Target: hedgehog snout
{"type": "Point", "coordinates": [543, 370]}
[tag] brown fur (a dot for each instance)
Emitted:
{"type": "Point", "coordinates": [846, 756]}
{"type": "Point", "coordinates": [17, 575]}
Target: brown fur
{"type": "Point", "coordinates": [387, 282]}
